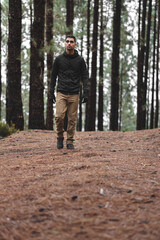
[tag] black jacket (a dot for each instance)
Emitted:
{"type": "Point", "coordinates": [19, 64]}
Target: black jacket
{"type": "Point", "coordinates": [70, 70]}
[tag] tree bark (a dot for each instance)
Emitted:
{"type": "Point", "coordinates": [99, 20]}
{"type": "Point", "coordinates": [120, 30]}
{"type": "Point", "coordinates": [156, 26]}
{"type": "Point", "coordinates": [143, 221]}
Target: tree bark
{"type": "Point", "coordinates": [69, 16]}
{"type": "Point", "coordinates": [115, 66]}
{"type": "Point", "coordinates": [146, 66]}
{"type": "Point", "coordinates": [49, 39]}
{"type": "Point", "coordinates": [88, 33]}
{"type": "Point", "coordinates": [14, 113]}
{"type": "Point", "coordinates": [88, 60]}
{"type": "Point", "coordinates": [157, 75]}
{"type": "Point", "coordinates": [153, 71]}
{"type": "Point", "coordinates": [121, 97]}
{"type": "Point", "coordinates": [0, 63]}
{"type": "Point", "coordinates": [93, 80]}
{"type": "Point", "coordinates": [69, 24]}
{"type": "Point", "coordinates": [100, 100]}
{"type": "Point", "coordinates": [36, 102]}
{"type": "Point", "coordinates": [79, 122]}
{"type": "Point", "coordinates": [140, 84]}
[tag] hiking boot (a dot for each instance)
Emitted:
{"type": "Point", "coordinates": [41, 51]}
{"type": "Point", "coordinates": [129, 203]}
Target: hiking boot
{"type": "Point", "coordinates": [60, 143]}
{"type": "Point", "coordinates": [70, 146]}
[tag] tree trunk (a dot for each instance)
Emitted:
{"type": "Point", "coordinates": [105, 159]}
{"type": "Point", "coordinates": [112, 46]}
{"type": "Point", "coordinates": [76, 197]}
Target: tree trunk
{"type": "Point", "coordinates": [115, 67]}
{"type": "Point", "coordinates": [0, 64]}
{"type": "Point", "coordinates": [153, 75]}
{"type": "Point", "coordinates": [146, 65]}
{"type": "Point", "coordinates": [100, 100]}
{"type": "Point", "coordinates": [49, 39]}
{"type": "Point", "coordinates": [88, 60]}
{"type": "Point", "coordinates": [140, 84]}
{"type": "Point", "coordinates": [14, 113]}
{"type": "Point", "coordinates": [157, 75]}
{"type": "Point", "coordinates": [120, 97]}
{"type": "Point", "coordinates": [79, 122]}
{"type": "Point", "coordinates": [69, 24]}
{"type": "Point", "coordinates": [93, 81]}
{"type": "Point", "coordinates": [36, 102]}
{"type": "Point", "coordinates": [148, 103]}
{"type": "Point", "coordinates": [88, 33]}
{"type": "Point", "coordinates": [69, 16]}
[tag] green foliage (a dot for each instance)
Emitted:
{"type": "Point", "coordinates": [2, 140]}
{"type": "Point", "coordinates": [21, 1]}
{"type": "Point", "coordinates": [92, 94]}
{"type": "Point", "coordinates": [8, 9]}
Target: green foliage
{"type": "Point", "coordinates": [6, 130]}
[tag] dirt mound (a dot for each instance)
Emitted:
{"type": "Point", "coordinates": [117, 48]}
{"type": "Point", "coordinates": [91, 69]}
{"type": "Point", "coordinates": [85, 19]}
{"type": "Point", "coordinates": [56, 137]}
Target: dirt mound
{"type": "Point", "coordinates": [107, 188]}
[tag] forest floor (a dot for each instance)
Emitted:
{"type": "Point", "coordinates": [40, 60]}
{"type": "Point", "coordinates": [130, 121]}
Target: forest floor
{"type": "Point", "coordinates": [107, 188]}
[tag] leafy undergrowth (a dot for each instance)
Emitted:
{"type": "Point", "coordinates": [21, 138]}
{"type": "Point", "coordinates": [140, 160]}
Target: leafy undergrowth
{"type": "Point", "coordinates": [107, 188]}
{"type": "Point", "coordinates": [6, 130]}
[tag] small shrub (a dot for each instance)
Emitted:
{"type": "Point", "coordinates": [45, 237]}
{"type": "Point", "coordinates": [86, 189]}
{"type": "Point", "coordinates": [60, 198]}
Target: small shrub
{"type": "Point", "coordinates": [6, 130]}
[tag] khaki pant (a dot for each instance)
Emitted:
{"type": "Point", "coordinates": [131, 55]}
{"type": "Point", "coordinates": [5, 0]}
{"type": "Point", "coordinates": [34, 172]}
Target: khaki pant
{"type": "Point", "coordinates": [67, 103]}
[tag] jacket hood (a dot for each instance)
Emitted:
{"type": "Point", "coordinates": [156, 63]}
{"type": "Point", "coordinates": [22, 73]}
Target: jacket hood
{"type": "Point", "coordinates": [74, 55]}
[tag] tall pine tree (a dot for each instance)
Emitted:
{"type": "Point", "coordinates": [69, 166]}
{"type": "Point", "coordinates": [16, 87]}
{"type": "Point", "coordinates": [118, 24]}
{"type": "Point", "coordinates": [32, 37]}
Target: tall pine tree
{"type": "Point", "coordinates": [100, 99]}
{"type": "Point", "coordinates": [153, 67]}
{"type": "Point", "coordinates": [115, 66]}
{"type": "Point", "coordinates": [93, 81]}
{"type": "Point", "coordinates": [157, 73]}
{"type": "Point", "coordinates": [49, 42]}
{"type": "Point", "coordinates": [14, 113]}
{"type": "Point", "coordinates": [36, 101]}
{"type": "Point", "coordinates": [141, 55]}
{"type": "Point", "coordinates": [0, 62]}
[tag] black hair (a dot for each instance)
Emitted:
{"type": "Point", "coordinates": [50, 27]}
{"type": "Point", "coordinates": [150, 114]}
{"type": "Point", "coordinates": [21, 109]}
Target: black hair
{"type": "Point", "coordinates": [71, 36]}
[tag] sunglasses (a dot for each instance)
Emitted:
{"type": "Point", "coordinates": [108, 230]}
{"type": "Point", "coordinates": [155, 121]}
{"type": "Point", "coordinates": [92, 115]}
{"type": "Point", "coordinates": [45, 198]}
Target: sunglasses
{"type": "Point", "coordinates": [67, 41]}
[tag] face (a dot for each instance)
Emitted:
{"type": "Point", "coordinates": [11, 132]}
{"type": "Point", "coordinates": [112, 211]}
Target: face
{"type": "Point", "coordinates": [70, 44]}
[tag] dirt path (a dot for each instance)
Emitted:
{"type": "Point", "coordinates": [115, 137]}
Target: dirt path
{"type": "Point", "coordinates": [107, 188]}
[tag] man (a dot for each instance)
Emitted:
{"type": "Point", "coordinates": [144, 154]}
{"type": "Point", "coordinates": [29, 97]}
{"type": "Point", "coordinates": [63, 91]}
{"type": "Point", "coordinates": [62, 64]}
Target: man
{"type": "Point", "coordinates": [70, 68]}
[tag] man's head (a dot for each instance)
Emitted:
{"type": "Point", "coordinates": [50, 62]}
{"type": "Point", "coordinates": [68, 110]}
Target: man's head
{"type": "Point", "coordinates": [70, 44]}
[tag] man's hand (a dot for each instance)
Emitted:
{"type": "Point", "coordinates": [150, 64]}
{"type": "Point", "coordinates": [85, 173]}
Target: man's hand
{"type": "Point", "coordinates": [84, 99]}
{"type": "Point", "coordinates": [53, 98]}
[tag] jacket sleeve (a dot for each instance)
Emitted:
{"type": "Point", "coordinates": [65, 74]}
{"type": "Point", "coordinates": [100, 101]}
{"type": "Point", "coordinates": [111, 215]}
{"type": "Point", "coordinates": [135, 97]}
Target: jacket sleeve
{"type": "Point", "coordinates": [85, 78]}
{"type": "Point", "coordinates": [54, 75]}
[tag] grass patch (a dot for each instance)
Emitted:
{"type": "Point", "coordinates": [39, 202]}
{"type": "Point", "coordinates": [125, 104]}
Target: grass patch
{"type": "Point", "coordinates": [6, 130]}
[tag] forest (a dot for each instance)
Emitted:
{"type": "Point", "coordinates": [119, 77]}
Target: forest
{"type": "Point", "coordinates": [119, 40]}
